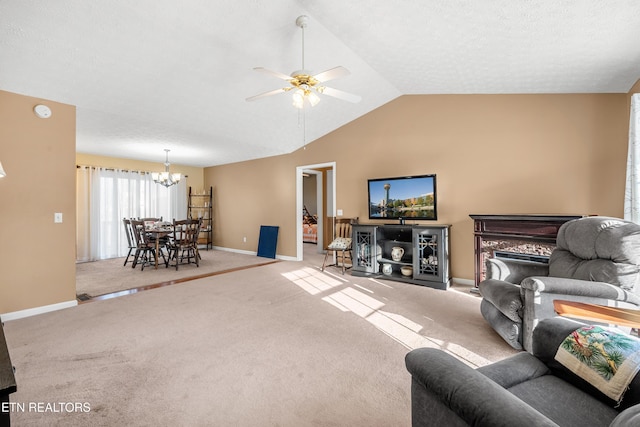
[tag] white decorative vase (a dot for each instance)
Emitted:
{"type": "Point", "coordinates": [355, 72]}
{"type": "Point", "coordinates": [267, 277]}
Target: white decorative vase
{"type": "Point", "coordinates": [387, 269]}
{"type": "Point", "coordinates": [396, 253]}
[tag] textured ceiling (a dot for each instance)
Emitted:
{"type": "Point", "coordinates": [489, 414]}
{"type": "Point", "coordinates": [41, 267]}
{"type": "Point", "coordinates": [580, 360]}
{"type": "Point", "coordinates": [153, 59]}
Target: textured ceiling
{"type": "Point", "coordinates": [152, 74]}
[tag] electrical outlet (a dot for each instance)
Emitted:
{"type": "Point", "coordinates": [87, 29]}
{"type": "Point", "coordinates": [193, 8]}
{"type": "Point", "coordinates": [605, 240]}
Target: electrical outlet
{"type": "Point", "coordinates": [244, 239]}
{"type": "Point", "coordinates": [57, 217]}
{"type": "Point", "coordinates": [339, 213]}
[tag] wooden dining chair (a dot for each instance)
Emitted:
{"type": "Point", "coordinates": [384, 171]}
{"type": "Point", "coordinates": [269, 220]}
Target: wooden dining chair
{"type": "Point", "coordinates": [150, 222]}
{"type": "Point", "coordinates": [183, 246]}
{"type": "Point", "coordinates": [340, 245]}
{"type": "Point", "coordinates": [145, 247]}
{"type": "Point", "coordinates": [131, 242]}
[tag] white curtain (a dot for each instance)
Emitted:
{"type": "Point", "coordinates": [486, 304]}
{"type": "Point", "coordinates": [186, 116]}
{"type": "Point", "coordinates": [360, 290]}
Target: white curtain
{"type": "Point", "coordinates": [632, 190]}
{"type": "Point", "coordinates": [106, 196]}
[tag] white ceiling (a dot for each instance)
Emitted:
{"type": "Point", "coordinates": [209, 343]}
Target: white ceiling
{"type": "Point", "coordinates": [147, 75]}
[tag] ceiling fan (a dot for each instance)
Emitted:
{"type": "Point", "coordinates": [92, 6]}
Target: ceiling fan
{"type": "Point", "coordinates": [304, 84]}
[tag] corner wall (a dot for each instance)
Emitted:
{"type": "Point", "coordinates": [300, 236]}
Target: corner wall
{"type": "Point", "coordinates": [493, 154]}
{"type": "Point", "coordinates": [37, 256]}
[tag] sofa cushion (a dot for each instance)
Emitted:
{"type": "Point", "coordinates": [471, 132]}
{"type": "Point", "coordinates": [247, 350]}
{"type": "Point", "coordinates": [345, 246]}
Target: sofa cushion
{"type": "Point", "coordinates": [515, 369]}
{"type": "Point", "coordinates": [340, 243]}
{"type": "Point", "coordinates": [563, 403]}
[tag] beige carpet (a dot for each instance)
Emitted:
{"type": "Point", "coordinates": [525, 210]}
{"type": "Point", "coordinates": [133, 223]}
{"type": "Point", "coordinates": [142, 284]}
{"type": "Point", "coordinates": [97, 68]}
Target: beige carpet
{"type": "Point", "coordinates": [108, 276]}
{"type": "Point", "coordinates": [277, 345]}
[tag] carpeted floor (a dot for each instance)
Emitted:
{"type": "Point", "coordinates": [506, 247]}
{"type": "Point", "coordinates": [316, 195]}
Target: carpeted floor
{"type": "Point", "coordinates": [110, 275]}
{"type": "Point", "coordinates": [277, 345]}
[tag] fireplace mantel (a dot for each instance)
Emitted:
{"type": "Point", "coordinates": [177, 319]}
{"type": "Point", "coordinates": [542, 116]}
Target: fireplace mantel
{"type": "Point", "coordinates": [532, 234]}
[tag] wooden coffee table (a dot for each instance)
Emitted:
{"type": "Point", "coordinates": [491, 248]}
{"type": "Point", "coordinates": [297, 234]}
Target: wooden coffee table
{"type": "Point", "coordinates": [599, 313]}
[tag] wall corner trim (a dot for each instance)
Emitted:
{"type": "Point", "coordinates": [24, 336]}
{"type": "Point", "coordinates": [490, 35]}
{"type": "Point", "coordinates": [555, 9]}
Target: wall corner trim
{"type": "Point", "coordinates": [14, 315]}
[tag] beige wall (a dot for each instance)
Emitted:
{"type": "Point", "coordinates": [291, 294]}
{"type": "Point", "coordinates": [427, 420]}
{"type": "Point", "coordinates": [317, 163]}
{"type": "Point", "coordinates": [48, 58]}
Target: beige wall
{"type": "Point", "coordinates": [493, 154]}
{"type": "Point", "coordinates": [195, 175]}
{"type": "Point", "coordinates": [37, 256]}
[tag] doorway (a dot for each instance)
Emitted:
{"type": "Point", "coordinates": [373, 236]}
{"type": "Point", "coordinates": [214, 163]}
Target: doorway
{"type": "Point", "coordinates": [326, 201]}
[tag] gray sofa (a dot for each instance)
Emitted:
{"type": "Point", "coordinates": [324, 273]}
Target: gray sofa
{"type": "Point", "coordinates": [597, 260]}
{"type": "Point", "coordinates": [523, 390]}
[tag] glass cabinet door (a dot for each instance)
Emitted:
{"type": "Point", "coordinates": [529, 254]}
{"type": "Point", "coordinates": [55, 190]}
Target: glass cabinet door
{"type": "Point", "coordinates": [430, 260]}
{"type": "Point", "coordinates": [364, 249]}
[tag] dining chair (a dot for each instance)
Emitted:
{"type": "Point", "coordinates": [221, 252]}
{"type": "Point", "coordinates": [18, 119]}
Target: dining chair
{"type": "Point", "coordinates": [145, 247]}
{"type": "Point", "coordinates": [340, 245]}
{"type": "Point", "coordinates": [183, 246]}
{"type": "Point", "coordinates": [196, 236]}
{"type": "Point", "coordinates": [131, 242]}
{"type": "Point", "coordinates": [150, 222]}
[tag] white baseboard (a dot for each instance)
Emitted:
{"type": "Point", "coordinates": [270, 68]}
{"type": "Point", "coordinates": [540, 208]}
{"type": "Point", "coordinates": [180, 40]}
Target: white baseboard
{"type": "Point", "coordinates": [240, 251]}
{"type": "Point", "coordinates": [466, 282]}
{"type": "Point", "coordinates": [14, 315]}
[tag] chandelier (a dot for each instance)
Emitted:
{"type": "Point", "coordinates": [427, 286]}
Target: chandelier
{"type": "Point", "coordinates": [165, 178]}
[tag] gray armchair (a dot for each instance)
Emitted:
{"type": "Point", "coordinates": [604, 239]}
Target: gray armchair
{"type": "Point", "coordinates": [522, 390]}
{"type": "Point", "coordinates": [597, 260]}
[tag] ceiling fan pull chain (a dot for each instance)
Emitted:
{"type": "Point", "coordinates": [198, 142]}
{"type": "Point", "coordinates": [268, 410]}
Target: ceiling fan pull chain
{"type": "Point", "coordinates": [302, 123]}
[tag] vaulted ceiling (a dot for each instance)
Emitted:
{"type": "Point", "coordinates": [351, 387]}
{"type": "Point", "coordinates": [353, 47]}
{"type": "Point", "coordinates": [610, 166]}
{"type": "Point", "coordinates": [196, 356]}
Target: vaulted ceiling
{"type": "Point", "coordinates": [147, 75]}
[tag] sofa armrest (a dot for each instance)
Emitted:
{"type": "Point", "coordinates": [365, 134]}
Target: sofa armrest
{"type": "Point", "coordinates": [505, 296]}
{"type": "Point", "coordinates": [512, 270]}
{"type": "Point", "coordinates": [457, 389]}
{"type": "Point", "coordinates": [514, 370]}
{"type": "Point", "coordinates": [578, 288]}
{"type": "Point", "coordinates": [628, 417]}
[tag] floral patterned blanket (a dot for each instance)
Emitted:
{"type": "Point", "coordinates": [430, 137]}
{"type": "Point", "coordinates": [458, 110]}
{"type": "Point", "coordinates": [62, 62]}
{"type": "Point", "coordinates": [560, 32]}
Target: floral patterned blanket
{"type": "Point", "coordinates": [605, 357]}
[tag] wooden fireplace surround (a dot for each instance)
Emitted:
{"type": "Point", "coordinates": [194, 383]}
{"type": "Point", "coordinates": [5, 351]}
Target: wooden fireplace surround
{"type": "Point", "coordinates": [541, 229]}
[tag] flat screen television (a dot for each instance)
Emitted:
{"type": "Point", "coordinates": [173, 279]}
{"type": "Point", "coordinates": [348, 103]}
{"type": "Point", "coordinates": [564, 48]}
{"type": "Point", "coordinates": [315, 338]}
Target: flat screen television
{"type": "Point", "coordinates": [410, 197]}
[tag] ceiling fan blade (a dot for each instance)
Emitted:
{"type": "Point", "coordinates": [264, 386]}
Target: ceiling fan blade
{"type": "Point", "coordinates": [262, 95]}
{"type": "Point", "coordinates": [333, 73]}
{"type": "Point", "coordinates": [273, 73]}
{"type": "Point", "coordinates": [345, 96]}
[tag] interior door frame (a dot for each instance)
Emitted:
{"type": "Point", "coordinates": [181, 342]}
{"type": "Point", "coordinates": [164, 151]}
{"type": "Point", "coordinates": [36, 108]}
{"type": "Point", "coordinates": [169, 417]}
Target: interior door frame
{"type": "Point", "coordinates": [300, 170]}
{"type": "Point", "coordinates": [320, 209]}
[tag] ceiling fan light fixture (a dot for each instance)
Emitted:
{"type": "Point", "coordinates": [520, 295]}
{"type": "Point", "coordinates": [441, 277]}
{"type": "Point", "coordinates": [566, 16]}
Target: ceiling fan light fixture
{"type": "Point", "coordinates": [305, 84]}
{"type": "Point", "coordinates": [313, 99]}
{"type": "Point", "coordinates": [298, 98]}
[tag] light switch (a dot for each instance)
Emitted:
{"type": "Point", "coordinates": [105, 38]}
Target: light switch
{"type": "Point", "coordinates": [339, 213]}
{"type": "Point", "coordinates": [57, 217]}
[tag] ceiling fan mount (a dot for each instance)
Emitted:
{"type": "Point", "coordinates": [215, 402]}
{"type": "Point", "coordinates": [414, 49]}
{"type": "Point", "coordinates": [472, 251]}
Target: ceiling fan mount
{"type": "Point", "coordinates": [301, 21]}
{"type": "Point", "coordinates": [304, 83]}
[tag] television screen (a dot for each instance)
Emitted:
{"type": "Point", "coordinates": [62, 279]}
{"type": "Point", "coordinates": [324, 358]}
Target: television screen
{"type": "Point", "coordinates": [410, 197]}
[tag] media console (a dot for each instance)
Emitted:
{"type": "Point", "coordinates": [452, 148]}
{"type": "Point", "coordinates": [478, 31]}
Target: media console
{"type": "Point", "coordinates": [423, 250]}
